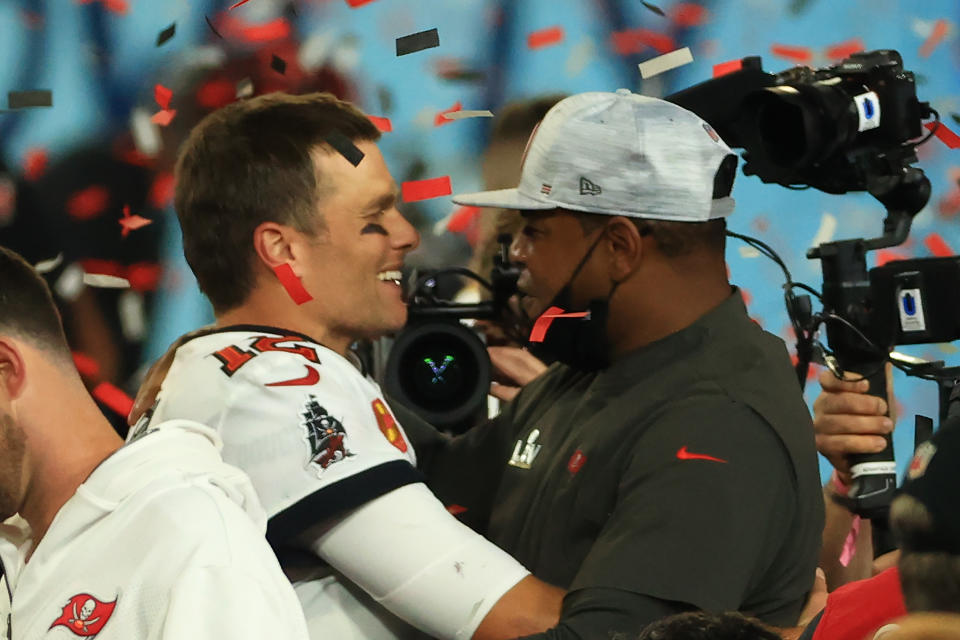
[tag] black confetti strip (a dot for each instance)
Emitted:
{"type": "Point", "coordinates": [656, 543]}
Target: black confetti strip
{"type": "Point", "coordinates": [27, 99]}
{"type": "Point", "coordinates": [418, 42]}
{"type": "Point", "coordinates": [164, 36]}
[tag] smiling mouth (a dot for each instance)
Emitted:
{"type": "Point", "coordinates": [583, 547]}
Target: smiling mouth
{"type": "Point", "coordinates": [392, 275]}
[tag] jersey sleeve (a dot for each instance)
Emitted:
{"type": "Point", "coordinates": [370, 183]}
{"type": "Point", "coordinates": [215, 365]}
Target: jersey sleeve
{"type": "Point", "coordinates": [223, 602]}
{"type": "Point", "coordinates": [314, 438]}
{"type": "Point", "coordinates": [703, 507]}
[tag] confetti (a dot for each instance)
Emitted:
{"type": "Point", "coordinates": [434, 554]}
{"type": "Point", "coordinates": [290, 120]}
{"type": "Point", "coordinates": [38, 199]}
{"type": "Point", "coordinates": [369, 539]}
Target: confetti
{"type": "Point", "coordinates": [883, 256]}
{"type": "Point", "coordinates": [945, 135]}
{"type": "Point", "coordinates": [748, 252]}
{"type": "Point", "coordinates": [46, 266]}
{"type": "Point", "coordinates": [345, 147]}
{"type": "Point", "coordinates": [28, 99]}
{"type": "Point", "coordinates": [383, 124]}
{"type": "Point", "coordinates": [292, 283]}
{"type": "Point", "coordinates": [164, 36]}
{"type": "Point", "coordinates": [116, 6]}
{"type": "Point", "coordinates": [632, 41]}
{"type": "Point", "coordinates": [689, 14]}
{"type": "Point", "coordinates": [34, 164]}
{"type": "Point", "coordinates": [936, 245]}
{"type": "Point", "coordinates": [415, 190]}
{"type": "Point", "coordinates": [441, 118]}
{"type": "Point", "coordinates": [936, 36]}
{"type": "Point", "coordinates": [657, 10]}
{"type": "Point", "coordinates": [216, 93]}
{"type": "Point", "coordinates": [88, 203]}
{"type": "Point", "coordinates": [161, 190]}
{"type": "Point", "coordinates": [115, 399]}
{"type": "Point", "coordinates": [580, 56]}
{"type": "Point", "coordinates": [462, 115]}
{"type": "Point", "coordinates": [845, 49]}
{"type": "Point", "coordinates": [956, 117]}
{"type": "Point", "coordinates": [164, 117]}
{"type": "Point", "coordinates": [828, 227]}
{"type": "Point", "coordinates": [801, 55]}
{"type": "Point", "coordinates": [418, 42]}
{"type": "Point", "coordinates": [454, 509]}
{"type": "Point", "coordinates": [278, 64]}
{"type": "Point", "coordinates": [162, 95]}
{"type": "Point", "coordinates": [539, 331]}
{"type": "Point", "coordinates": [132, 223]}
{"type": "Point", "coordinates": [87, 366]}
{"type": "Point", "coordinates": [545, 37]}
{"type": "Point", "coordinates": [353, 4]}
{"type": "Point", "coordinates": [244, 88]}
{"type": "Point", "coordinates": [276, 29]}
{"type": "Point", "coordinates": [461, 220]}
{"type": "Point", "coordinates": [104, 281]}
{"type": "Point", "coordinates": [237, 4]}
{"type": "Point", "coordinates": [212, 28]}
{"type": "Point", "coordinates": [666, 62]}
{"type": "Point", "coordinates": [723, 68]}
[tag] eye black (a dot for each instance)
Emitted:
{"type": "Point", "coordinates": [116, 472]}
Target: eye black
{"type": "Point", "coordinates": [373, 227]}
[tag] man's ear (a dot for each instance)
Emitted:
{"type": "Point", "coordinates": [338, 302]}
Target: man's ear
{"type": "Point", "coordinates": [625, 247]}
{"type": "Point", "coordinates": [276, 244]}
{"type": "Point", "coordinates": [12, 368]}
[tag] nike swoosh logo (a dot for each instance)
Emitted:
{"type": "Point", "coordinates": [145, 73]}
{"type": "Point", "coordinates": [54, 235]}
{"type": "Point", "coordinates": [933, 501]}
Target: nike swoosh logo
{"type": "Point", "coordinates": [312, 378]}
{"type": "Point", "coordinates": [683, 454]}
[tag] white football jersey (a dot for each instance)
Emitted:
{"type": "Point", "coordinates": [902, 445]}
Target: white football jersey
{"type": "Point", "coordinates": [163, 540]}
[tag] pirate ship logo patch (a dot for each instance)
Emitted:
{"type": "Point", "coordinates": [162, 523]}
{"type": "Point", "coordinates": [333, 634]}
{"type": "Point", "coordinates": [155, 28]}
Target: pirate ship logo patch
{"type": "Point", "coordinates": [325, 436]}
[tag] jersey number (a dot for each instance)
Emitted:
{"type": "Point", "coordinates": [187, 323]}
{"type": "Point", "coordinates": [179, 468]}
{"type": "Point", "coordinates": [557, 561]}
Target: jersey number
{"type": "Point", "coordinates": [234, 357]}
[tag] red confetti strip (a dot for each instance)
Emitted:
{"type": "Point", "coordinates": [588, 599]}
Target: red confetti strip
{"type": "Point", "coordinates": [796, 54]}
{"type": "Point", "coordinates": [636, 40]}
{"type": "Point", "coordinates": [87, 366]}
{"type": "Point", "coordinates": [949, 205]}
{"type": "Point", "coordinates": [747, 297]}
{"type": "Point", "coordinates": [689, 14]}
{"type": "Point", "coordinates": [115, 399]}
{"type": "Point", "coordinates": [545, 37]}
{"type": "Point", "coordinates": [88, 203]}
{"type": "Point", "coordinates": [34, 163]}
{"type": "Point", "coordinates": [936, 245]}
{"type": "Point", "coordinates": [292, 283]}
{"type": "Point", "coordinates": [163, 118]}
{"type": "Point", "coordinates": [116, 6]}
{"type": "Point", "coordinates": [845, 49]}
{"type": "Point", "coordinates": [439, 120]}
{"type": "Point", "coordinates": [415, 190]}
{"type": "Point", "coordinates": [383, 124]}
{"type": "Point", "coordinates": [454, 509]}
{"type": "Point", "coordinates": [543, 323]}
{"type": "Point", "coordinates": [936, 37]}
{"type": "Point", "coordinates": [237, 4]}
{"type": "Point", "coordinates": [462, 219]}
{"type": "Point", "coordinates": [216, 93]}
{"type": "Point", "coordinates": [724, 68]}
{"type": "Point", "coordinates": [353, 4]}
{"type": "Point", "coordinates": [161, 191]}
{"type": "Point", "coordinates": [944, 133]}
{"type": "Point", "coordinates": [883, 256]}
{"type": "Point", "coordinates": [143, 276]}
{"type": "Point", "coordinates": [234, 27]}
{"type": "Point", "coordinates": [131, 223]}
{"type": "Point", "coordinates": [162, 95]}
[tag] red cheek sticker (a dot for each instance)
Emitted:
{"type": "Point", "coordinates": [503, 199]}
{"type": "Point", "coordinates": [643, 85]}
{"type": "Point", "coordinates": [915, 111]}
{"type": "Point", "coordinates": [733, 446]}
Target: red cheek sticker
{"type": "Point", "coordinates": [292, 283]}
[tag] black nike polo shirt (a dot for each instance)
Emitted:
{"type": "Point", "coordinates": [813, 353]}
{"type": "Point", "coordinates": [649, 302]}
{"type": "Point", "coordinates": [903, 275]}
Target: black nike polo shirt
{"type": "Point", "coordinates": [686, 472]}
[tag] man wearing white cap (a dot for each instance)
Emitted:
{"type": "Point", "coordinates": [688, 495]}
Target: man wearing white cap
{"type": "Point", "coordinates": [666, 461]}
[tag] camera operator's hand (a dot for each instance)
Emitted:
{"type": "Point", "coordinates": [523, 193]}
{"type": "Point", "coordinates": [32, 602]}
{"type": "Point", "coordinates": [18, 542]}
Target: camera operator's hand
{"type": "Point", "coordinates": [848, 421]}
{"type": "Point", "coordinates": [513, 368]}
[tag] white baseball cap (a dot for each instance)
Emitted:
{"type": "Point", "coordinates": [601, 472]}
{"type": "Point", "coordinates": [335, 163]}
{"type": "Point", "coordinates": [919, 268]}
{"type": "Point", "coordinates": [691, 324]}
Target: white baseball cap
{"type": "Point", "coordinates": [618, 154]}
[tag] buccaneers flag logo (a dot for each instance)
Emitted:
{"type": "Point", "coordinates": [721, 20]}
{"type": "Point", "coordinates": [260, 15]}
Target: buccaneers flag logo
{"type": "Point", "coordinates": [388, 426]}
{"type": "Point", "coordinates": [84, 615]}
{"type": "Point", "coordinates": [325, 435]}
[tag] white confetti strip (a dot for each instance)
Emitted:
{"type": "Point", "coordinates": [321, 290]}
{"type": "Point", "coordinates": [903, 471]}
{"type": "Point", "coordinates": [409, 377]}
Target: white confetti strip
{"type": "Point", "coordinates": [462, 115]}
{"type": "Point", "coordinates": [828, 227]}
{"type": "Point", "coordinates": [46, 266]}
{"type": "Point", "coordinates": [104, 281]}
{"type": "Point", "coordinates": [749, 252]}
{"type": "Point", "coordinates": [666, 62]}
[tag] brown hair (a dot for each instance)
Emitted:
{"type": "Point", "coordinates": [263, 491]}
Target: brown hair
{"type": "Point", "coordinates": [930, 579]}
{"type": "Point", "coordinates": [248, 163]}
{"type": "Point", "coordinates": [27, 309]}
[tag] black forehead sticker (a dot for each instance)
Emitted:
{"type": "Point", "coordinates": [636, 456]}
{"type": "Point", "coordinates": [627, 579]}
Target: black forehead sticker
{"type": "Point", "coordinates": [418, 42]}
{"type": "Point", "coordinates": [166, 34]}
{"type": "Point", "coordinates": [345, 147]}
{"type": "Point", "coordinates": [27, 99]}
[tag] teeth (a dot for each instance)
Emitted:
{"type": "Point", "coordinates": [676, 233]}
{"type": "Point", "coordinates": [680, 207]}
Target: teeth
{"type": "Point", "coordinates": [393, 276]}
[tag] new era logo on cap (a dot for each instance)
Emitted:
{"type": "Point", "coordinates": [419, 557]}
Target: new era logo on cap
{"type": "Point", "coordinates": [588, 188]}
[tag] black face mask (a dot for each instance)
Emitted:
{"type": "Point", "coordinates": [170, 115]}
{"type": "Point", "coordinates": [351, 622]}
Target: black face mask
{"type": "Point", "coordinates": [577, 338]}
